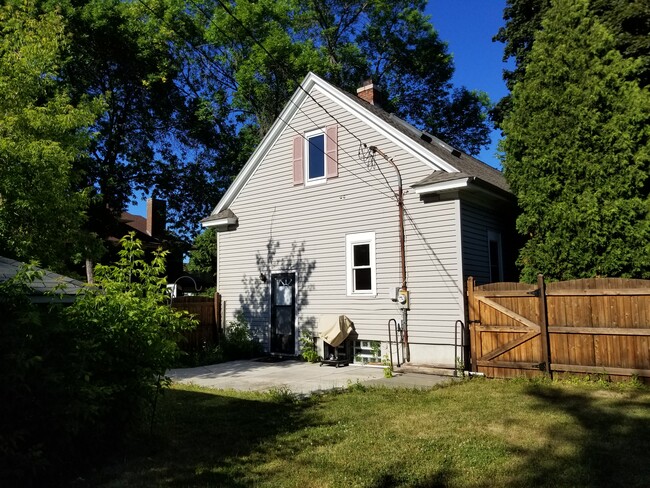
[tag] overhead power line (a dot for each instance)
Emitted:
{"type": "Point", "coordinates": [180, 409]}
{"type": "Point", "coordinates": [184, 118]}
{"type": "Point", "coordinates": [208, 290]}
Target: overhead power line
{"type": "Point", "coordinates": [286, 123]}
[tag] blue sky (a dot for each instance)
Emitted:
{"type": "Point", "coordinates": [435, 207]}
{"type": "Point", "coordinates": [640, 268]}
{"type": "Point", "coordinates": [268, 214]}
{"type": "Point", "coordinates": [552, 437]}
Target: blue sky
{"type": "Point", "coordinates": [468, 27]}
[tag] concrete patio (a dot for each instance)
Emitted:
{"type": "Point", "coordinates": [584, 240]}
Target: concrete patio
{"type": "Point", "coordinates": [297, 376]}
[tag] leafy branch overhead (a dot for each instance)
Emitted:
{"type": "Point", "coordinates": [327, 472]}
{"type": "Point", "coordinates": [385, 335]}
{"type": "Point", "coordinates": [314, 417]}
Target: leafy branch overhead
{"type": "Point", "coordinates": [189, 89]}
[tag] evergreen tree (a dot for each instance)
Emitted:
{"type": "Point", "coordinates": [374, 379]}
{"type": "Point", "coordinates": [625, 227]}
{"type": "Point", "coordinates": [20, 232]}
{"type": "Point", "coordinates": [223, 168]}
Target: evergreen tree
{"type": "Point", "coordinates": [627, 20]}
{"type": "Point", "coordinates": [577, 152]}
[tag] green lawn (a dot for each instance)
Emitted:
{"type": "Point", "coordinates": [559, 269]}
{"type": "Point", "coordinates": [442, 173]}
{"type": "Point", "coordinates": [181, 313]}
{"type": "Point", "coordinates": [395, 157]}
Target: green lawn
{"type": "Point", "coordinates": [472, 434]}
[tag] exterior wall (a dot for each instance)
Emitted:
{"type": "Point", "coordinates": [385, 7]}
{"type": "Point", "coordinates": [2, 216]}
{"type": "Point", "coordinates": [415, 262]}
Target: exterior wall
{"type": "Point", "coordinates": [283, 227]}
{"type": "Point", "coordinates": [479, 215]}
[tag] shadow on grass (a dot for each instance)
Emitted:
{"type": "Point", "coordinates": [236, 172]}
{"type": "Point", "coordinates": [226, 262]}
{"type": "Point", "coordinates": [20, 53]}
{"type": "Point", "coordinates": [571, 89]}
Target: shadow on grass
{"type": "Point", "coordinates": [210, 447]}
{"type": "Point", "coordinates": [606, 442]}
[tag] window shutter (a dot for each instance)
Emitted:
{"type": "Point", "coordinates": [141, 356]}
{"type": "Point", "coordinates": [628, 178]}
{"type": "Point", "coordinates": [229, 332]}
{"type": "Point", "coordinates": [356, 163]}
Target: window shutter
{"type": "Point", "coordinates": [332, 150]}
{"type": "Point", "coordinates": [298, 168]}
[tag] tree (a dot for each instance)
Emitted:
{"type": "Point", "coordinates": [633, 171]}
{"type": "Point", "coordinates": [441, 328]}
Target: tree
{"type": "Point", "coordinates": [628, 21]}
{"type": "Point", "coordinates": [42, 133]}
{"type": "Point", "coordinates": [203, 256]}
{"type": "Point", "coordinates": [577, 152]}
{"type": "Point", "coordinates": [189, 93]}
{"type": "Point", "coordinates": [82, 377]}
{"type": "Point", "coordinates": [268, 46]}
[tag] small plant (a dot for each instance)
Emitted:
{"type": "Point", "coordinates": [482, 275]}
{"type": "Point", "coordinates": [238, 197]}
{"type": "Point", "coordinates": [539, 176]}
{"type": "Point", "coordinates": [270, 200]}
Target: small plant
{"type": "Point", "coordinates": [356, 386]}
{"type": "Point", "coordinates": [282, 394]}
{"type": "Point", "coordinates": [308, 347]}
{"type": "Point", "coordinates": [460, 367]}
{"type": "Point", "coordinates": [376, 349]}
{"type": "Point", "coordinates": [388, 370]}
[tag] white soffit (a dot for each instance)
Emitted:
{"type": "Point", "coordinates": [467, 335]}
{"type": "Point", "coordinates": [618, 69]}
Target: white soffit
{"type": "Point", "coordinates": [220, 223]}
{"type": "Point", "coordinates": [442, 186]}
{"type": "Point", "coordinates": [310, 82]}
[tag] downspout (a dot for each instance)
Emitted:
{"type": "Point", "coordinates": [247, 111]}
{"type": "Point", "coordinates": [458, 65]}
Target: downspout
{"type": "Point", "coordinates": [400, 205]}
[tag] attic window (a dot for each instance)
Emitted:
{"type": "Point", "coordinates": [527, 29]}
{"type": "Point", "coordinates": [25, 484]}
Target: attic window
{"type": "Point", "coordinates": [315, 156]}
{"type": "Point", "coordinates": [315, 160]}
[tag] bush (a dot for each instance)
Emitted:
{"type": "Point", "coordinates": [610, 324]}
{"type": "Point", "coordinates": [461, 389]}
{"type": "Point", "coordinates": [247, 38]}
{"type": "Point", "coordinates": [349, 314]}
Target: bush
{"type": "Point", "coordinates": [308, 347]}
{"type": "Point", "coordinates": [81, 377]}
{"type": "Point", "coordinates": [237, 342]}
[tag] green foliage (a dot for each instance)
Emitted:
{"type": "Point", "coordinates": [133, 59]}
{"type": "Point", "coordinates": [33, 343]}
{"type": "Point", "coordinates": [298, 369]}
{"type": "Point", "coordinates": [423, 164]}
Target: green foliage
{"type": "Point", "coordinates": [137, 331]}
{"type": "Point", "coordinates": [42, 132]}
{"type": "Point", "coordinates": [391, 41]}
{"type": "Point", "coordinates": [237, 342]}
{"type": "Point", "coordinates": [203, 256]}
{"type": "Point", "coordinates": [282, 395]}
{"type": "Point", "coordinates": [627, 20]}
{"type": "Point", "coordinates": [385, 362]}
{"type": "Point", "coordinates": [308, 347]}
{"type": "Point", "coordinates": [577, 153]}
{"type": "Point", "coordinates": [188, 95]}
{"type": "Point", "coordinates": [80, 378]}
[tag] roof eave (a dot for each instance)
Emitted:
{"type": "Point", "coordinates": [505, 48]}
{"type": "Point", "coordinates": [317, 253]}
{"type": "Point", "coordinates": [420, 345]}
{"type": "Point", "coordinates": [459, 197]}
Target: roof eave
{"type": "Point", "coordinates": [443, 186]}
{"type": "Point", "coordinates": [219, 224]}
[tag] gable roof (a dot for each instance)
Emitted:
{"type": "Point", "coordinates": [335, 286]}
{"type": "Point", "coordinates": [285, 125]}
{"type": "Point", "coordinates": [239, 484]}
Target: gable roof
{"type": "Point", "coordinates": [440, 157]}
{"type": "Point", "coordinates": [48, 283]}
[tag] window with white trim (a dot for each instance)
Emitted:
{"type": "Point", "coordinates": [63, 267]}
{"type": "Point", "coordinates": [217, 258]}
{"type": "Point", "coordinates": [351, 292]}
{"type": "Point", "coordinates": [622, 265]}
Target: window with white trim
{"type": "Point", "coordinates": [361, 269]}
{"type": "Point", "coordinates": [315, 157]}
{"type": "Point", "coordinates": [495, 256]}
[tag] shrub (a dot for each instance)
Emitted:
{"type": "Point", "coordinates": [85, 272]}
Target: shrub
{"type": "Point", "coordinates": [81, 377]}
{"type": "Point", "coordinates": [237, 342]}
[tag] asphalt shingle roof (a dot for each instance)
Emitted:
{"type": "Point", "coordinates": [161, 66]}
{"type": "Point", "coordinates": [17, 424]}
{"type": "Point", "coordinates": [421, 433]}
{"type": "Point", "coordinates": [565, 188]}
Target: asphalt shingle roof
{"type": "Point", "coordinates": [464, 163]}
{"type": "Point", "coordinates": [49, 282]}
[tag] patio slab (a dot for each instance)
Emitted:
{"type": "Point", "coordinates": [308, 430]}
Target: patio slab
{"type": "Point", "coordinates": [297, 376]}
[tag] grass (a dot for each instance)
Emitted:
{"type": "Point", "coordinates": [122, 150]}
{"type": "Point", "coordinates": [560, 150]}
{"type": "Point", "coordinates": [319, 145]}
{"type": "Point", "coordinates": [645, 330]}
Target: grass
{"type": "Point", "coordinates": [472, 434]}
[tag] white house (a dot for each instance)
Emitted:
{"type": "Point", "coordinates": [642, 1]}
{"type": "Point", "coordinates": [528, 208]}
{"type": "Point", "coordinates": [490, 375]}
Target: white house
{"type": "Point", "coordinates": [310, 227]}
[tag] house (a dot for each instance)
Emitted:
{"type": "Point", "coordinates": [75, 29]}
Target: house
{"type": "Point", "coordinates": [152, 232]}
{"type": "Point", "coordinates": [47, 287]}
{"type": "Point", "coordinates": [310, 228]}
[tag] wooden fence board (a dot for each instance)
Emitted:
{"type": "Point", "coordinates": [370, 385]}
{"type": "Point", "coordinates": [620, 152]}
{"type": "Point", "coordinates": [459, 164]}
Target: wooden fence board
{"type": "Point", "coordinates": [591, 324]}
{"type": "Point", "coordinates": [206, 311]}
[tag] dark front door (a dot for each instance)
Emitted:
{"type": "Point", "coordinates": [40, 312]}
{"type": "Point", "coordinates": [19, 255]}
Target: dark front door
{"type": "Point", "coordinates": [283, 313]}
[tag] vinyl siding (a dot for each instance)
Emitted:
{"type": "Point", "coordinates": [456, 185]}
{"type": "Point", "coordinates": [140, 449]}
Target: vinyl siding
{"type": "Point", "coordinates": [283, 227]}
{"type": "Point", "coordinates": [480, 215]}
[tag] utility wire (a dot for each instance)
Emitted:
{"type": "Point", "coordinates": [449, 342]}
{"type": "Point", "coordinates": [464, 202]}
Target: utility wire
{"type": "Point", "coordinates": [286, 123]}
{"type": "Point", "coordinates": [251, 35]}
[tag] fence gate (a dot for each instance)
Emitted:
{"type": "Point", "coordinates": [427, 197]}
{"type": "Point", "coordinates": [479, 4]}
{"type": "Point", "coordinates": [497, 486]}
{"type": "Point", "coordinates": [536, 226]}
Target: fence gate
{"type": "Point", "coordinates": [506, 330]}
{"type": "Point", "coordinates": [598, 325]}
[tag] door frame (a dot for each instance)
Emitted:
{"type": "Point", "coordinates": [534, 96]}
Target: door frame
{"type": "Point", "coordinates": [295, 310]}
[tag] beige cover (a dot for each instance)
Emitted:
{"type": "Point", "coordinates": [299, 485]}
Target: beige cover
{"type": "Point", "coordinates": [333, 329]}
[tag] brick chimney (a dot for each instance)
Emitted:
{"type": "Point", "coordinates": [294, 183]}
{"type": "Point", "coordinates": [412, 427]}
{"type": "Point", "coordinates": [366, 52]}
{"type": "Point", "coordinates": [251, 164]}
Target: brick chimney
{"type": "Point", "coordinates": [369, 93]}
{"type": "Point", "coordinates": [156, 217]}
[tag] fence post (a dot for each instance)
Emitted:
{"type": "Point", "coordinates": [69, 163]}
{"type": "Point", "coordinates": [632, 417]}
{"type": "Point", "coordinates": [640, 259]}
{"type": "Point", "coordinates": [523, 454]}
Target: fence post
{"type": "Point", "coordinates": [217, 316]}
{"type": "Point", "coordinates": [543, 324]}
{"type": "Point", "coordinates": [472, 316]}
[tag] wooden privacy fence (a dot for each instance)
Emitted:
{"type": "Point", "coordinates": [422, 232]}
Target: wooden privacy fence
{"type": "Point", "coordinates": [207, 311]}
{"type": "Point", "coordinates": [598, 325]}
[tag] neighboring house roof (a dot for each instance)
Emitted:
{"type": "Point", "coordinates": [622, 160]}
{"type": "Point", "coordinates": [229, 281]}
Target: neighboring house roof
{"type": "Point", "coordinates": [137, 222]}
{"type": "Point", "coordinates": [128, 222]}
{"type": "Point", "coordinates": [62, 287]}
{"type": "Point", "coordinates": [440, 157]}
